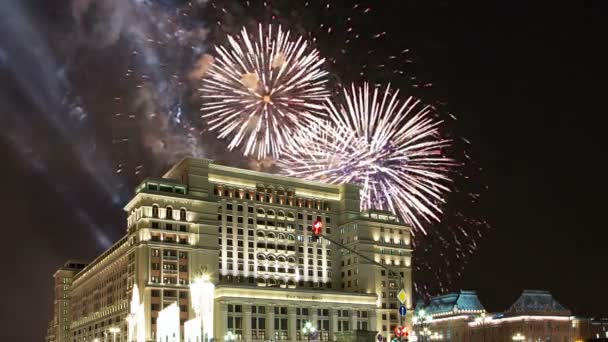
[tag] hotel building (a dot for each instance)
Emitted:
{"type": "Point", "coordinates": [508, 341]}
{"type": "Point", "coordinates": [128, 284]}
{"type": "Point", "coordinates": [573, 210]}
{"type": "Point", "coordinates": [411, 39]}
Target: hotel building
{"type": "Point", "coordinates": [251, 234]}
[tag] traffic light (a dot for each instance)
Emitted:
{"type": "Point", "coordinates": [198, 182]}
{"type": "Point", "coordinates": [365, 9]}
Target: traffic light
{"type": "Point", "coordinates": [317, 230]}
{"type": "Point", "coordinates": [401, 331]}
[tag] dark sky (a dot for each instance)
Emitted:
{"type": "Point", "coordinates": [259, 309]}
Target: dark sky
{"type": "Point", "coordinates": [524, 80]}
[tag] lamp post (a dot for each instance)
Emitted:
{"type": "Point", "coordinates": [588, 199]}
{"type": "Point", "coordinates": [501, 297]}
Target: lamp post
{"type": "Point", "coordinates": [308, 330]}
{"type": "Point", "coordinates": [229, 336]}
{"type": "Point", "coordinates": [518, 337]}
{"type": "Point", "coordinates": [436, 336]}
{"type": "Point", "coordinates": [481, 321]}
{"type": "Point", "coordinates": [421, 321]}
{"type": "Point", "coordinates": [114, 331]}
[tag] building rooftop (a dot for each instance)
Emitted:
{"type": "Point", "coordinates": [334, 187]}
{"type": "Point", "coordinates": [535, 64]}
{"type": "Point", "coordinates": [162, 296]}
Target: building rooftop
{"type": "Point", "coordinates": [459, 302]}
{"type": "Point", "coordinates": [534, 302]}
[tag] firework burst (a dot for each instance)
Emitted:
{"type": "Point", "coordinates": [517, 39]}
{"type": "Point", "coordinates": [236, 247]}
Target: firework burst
{"type": "Point", "coordinates": [392, 148]}
{"type": "Point", "coordinates": [260, 90]}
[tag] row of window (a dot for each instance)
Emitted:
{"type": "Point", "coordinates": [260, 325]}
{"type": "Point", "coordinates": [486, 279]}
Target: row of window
{"type": "Point", "coordinates": [169, 213]}
{"type": "Point", "coordinates": [170, 293]}
{"type": "Point", "coordinates": [169, 226]}
{"type": "Point", "coordinates": [272, 282]}
{"type": "Point", "coordinates": [272, 198]}
{"type": "Point", "coordinates": [283, 310]}
{"type": "Point", "coordinates": [169, 254]}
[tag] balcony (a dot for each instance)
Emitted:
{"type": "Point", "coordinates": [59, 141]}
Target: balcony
{"type": "Point", "coordinates": [170, 257]}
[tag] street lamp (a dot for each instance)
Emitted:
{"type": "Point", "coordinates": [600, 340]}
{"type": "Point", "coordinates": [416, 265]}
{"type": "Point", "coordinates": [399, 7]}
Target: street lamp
{"type": "Point", "coordinates": [518, 337]}
{"type": "Point", "coordinates": [229, 336]}
{"type": "Point", "coordinates": [421, 321]}
{"type": "Point", "coordinates": [481, 320]}
{"type": "Point", "coordinates": [436, 336]}
{"type": "Point", "coordinates": [114, 331]}
{"type": "Point", "coordinates": [308, 330]}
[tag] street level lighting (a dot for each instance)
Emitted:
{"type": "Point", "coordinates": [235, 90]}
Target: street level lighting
{"type": "Point", "coordinates": [518, 337]}
{"type": "Point", "coordinates": [308, 330]}
{"type": "Point", "coordinates": [436, 336]}
{"type": "Point", "coordinates": [114, 331]}
{"type": "Point", "coordinates": [481, 320]}
{"type": "Point", "coordinates": [229, 336]}
{"type": "Point", "coordinates": [421, 321]}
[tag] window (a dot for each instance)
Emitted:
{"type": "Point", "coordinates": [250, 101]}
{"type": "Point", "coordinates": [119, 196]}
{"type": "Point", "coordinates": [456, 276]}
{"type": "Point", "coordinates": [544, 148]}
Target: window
{"type": "Point", "coordinates": [169, 214]}
{"type": "Point", "coordinates": [239, 207]}
{"type": "Point", "coordinates": [182, 214]}
{"type": "Point", "coordinates": [155, 211]}
{"type": "Point", "coordinates": [228, 206]}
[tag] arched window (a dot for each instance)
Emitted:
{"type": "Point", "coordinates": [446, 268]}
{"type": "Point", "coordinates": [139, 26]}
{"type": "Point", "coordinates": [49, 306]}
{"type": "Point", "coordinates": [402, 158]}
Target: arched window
{"type": "Point", "coordinates": [271, 235]}
{"type": "Point", "coordinates": [291, 259]}
{"type": "Point", "coordinates": [261, 282]}
{"type": "Point", "coordinates": [290, 216]}
{"type": "Point", "coordinates": [272, 282]}
{"type": "Point", "coordinates": [281, 258]}
{"type": "Point", "coordinates": [155, 211]}
{"type": "Point", "coordinates": [271, 258]}
{"type": "Point", "coordinates": [169, 215]}
{"type": "Point", "coordinates": [182, 214]}
{"type": "Point", "coordinates": [281, 236]}
{"type": "Point", "coordinates": [281, 214]}
{"type": "Point", "coordinates": [291, 283]}
{"type": "Point", "coordinates": [261, 234]}
{"type": "Point", "coordinates": [261, 257]}
{"type": "Point", "coordinates": [290, 238]}
{"type": "Point", "coordinates": [281, 282]}
{"type": "Point", "coordinates": [261, 211]}
{"type": "Point", "coordinates": [270, 212]}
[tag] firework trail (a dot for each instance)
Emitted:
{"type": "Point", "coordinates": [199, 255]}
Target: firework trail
{"type": "Point", "coordinates": [348, 33]}
{"type": "Point", "coordinates": [392, 148]}
{"type": "Point", "coordinates": [261, 90]}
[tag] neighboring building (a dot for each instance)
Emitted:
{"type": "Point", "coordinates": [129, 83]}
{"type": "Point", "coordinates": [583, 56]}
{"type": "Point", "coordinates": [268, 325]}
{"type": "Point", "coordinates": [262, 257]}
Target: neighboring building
{"type": "Point", "coordinates": [535, 316]}
{"type": "Point", "coordinates": [58, 330]}
{"type": "Point", "coordinates": [251, 233]}
{"type": "Point", "coordinates": [450, 314]}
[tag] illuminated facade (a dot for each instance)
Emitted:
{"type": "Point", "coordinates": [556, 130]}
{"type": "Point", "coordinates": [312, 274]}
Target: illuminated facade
{"type": "Point", "coordinates": [59, 326]}
{"type": "Point", "coordinates": [251, 234]}
{"type": "Point", "coordinates": [535, 316]}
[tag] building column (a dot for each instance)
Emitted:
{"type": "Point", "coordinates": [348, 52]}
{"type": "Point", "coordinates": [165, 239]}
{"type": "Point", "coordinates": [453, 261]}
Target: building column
{"type": "Point", "coordinates": [270, 323]}
{"type": "Point", "coordinates": [372, 321]}
{"type": "Point", "coordinates": [353, 319]}
{"type": "Point", "coordinates": [333, 324]}
{"type": "Point", "coordinates": [314, 317]}
{"type": "Point", "coordinates": [291, 323]}
{"type": "Point", "coordinates": [223, 328]}
{"type": "Point", "coordinates": [247, 322]}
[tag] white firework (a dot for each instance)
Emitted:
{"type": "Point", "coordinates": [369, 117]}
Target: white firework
{"type": "Point", "coordinates": [392, 148]}
{"type": "Point", "coordinates": [260, 90]}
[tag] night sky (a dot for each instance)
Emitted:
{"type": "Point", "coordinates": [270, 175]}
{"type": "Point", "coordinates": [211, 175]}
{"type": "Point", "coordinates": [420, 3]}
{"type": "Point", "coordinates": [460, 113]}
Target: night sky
{"type": "Point", "coordinates": [523, 80]}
